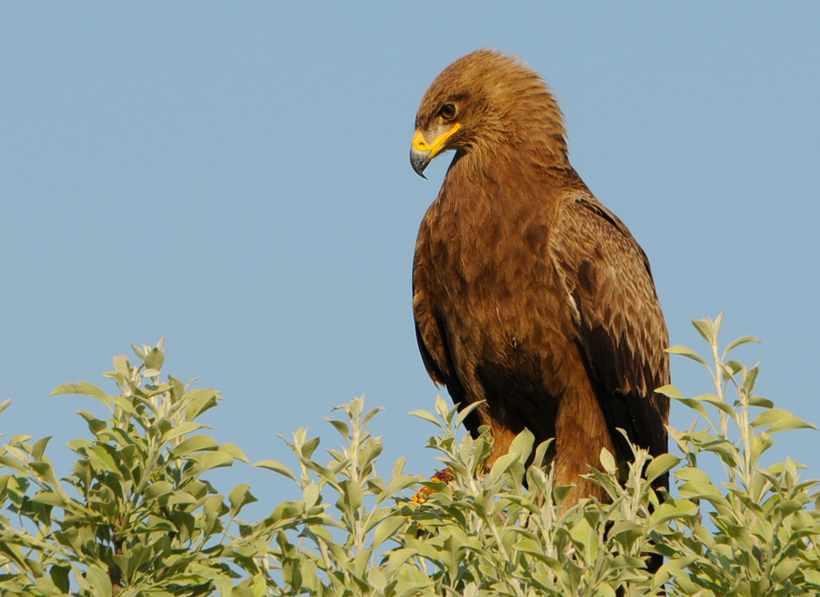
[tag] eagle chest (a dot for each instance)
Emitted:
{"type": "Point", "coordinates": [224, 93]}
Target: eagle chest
{"type": "Point", "coordinates": [491, 283]}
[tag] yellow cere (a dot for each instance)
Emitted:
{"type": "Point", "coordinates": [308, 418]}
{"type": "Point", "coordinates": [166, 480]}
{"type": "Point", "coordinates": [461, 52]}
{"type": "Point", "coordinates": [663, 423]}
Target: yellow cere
{"type": "Point", "coordinates": [420, 143]}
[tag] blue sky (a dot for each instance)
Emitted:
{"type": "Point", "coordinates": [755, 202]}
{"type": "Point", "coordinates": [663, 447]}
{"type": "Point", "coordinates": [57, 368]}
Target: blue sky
{"type": "Point", "coordinates": [235, 176]}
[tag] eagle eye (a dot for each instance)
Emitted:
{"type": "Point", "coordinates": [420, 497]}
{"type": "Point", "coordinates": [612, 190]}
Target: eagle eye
{"type": "Point", "coordinates": [447, 112]}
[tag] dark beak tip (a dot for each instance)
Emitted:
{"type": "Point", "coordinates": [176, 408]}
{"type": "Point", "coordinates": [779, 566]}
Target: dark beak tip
{"type": "Point", "coordinates": [419, 161]}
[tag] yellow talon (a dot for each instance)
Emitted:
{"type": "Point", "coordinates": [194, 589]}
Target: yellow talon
{"type": "Point", "coordinates": [445, 476]}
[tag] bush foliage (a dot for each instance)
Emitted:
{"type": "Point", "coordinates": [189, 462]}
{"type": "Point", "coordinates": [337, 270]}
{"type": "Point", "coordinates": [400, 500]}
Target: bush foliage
{"type": "Point", "coordinates": [137, 516]}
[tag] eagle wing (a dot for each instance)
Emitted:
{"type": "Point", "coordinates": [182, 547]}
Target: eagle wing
{"type": "Point", "coordinates": [618, 318]}
{"type": "Point", "coordinates": [431, 333]}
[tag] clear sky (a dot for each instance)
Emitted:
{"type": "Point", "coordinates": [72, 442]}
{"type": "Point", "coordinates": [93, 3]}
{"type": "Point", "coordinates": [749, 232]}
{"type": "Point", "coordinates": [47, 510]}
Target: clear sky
{"type": "Point", "coordinates": [235, 176]}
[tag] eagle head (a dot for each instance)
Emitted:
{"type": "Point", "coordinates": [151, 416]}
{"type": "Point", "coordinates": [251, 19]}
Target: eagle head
{"type": "Point", "coordinates": [485, 101]}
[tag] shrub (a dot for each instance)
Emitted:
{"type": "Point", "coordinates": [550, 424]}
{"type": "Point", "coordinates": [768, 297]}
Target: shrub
{"type": "Point", "coordinates": [136, 516]}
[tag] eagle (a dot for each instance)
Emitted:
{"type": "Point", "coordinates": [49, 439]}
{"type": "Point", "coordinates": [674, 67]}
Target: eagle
{"type": "Point", "coordinates": [529, 296]}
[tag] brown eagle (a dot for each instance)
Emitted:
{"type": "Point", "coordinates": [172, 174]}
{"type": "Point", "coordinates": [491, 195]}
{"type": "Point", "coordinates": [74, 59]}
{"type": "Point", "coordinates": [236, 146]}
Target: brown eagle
{"type": "Point", "coordinates": [528, 293]}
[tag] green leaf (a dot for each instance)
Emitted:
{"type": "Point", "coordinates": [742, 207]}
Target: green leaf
{"type": "Point", "coordinates": [122, 366]}
{"type": "Point", "coordinates": [309, 447]}
{"type": "Point", "coordinates": [179, 429]}
{"type": "Point", "coordinates": [82, 388]}
{"type": "Point", "coordinates": [707, 328]}
{"type": "Point", "coordinates": [692, 474]}
{"type": "Point", "coordinates": [695, 490]}
{"type": "Point", "coordinates": [443, 409]}
{"type": "Point", "coordinates": [608, 460]}
{"type": "Point", "coordinates": [213, 460]}
{"type": "Point", "coordinates": [159, 489]}
{"type": "Point", "coordinates": [521, 445]}
{"type": "Point", "coordinates": [240, 497]}
{"type": "Point", "coordinates": [401, 483]}
{"type": "Point", "coordinates": [200, 401]}
{"type": "Point", "coordinates": [341, 427]}
{"type": "Point", "coordinates": [124, 404]}
{"type": "Point", "coordinates": [102, 460]}
{"type": "Point", "coordinates": [197, 443]}
{"type": "Point", "coordinates": [739, 342]}
{"type": "Point", "coordinates": [277, 467]}
{"type": "Point", "coordinates": [502, 465]}
{"type": "Point", "coordinates": [465, 412]}
{"type": "Point", "coordinates": [311, 494]}
{"type": "Point", "coordinates": [786, 568]}
{"type": "Point", "coordinates": [286, 510]}
{"type": "Point", "coordinates": [695, 405]}
{"type": "Point", "coordinates": [387, 529]}
{"type": "Point", "coordinates": [760, 402]}
{"type": "Point", "coordinates": [5, 404]}
{"type": "Point", "coordinates": [99, 581]}
{"type": "Point", "coordinates": [661, 465]}
{"type": "Point", "coordinates": [671, 391]}
{"type": "Point", "coordinates": [426, 416]}
{"type": "Point", "coordinates": [717, 403]}
{"type": "Point", "coordinates": [777, 420]}
{"type": "Point", "coordinates": [59, 576]}
{"type": "Point", "coordinates": [50, 498]}
{"type": "Point", "coordinates": [370, 414]}
{"type": "Point", "coordinates": [749, 380]}
{"type": "Point", "coordinates": [352, 495]}
{"type": "Point", "coordinates": [688, 353]}
{"type": "Point", "coordinates": [762, 442]}
{"type": "Point", "coordinates": [39, 448]}
{"type": "Point", "coordinates": [45, 471]}
{"type": "Point", "coordinates": [94, 424]}
{"type": "Point", "coordinates": [234, 451]}
{"type": "Point", "coordinates": [155, 358]}
{"type": "Point", "coordinates": [813, 576]}
{"type": "Point", "coordinates": [180, 497]}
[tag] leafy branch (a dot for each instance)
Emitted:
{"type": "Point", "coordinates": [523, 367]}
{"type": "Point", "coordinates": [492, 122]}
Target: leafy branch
{"type": "Point", "coordinates": [137, 516]}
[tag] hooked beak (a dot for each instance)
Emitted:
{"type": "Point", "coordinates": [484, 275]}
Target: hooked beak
{"type": "Point", "coordinates": [419, 160]}
{"type": "Point", "coordinates": [422, 152]}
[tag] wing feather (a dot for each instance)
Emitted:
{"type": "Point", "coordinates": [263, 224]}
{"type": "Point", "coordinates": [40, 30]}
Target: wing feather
{"type": "Point", "coordinates": [620, 326]}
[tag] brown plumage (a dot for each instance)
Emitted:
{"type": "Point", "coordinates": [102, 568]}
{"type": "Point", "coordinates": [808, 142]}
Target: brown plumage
{"type": "Point", "coordinates": [528, 293]}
